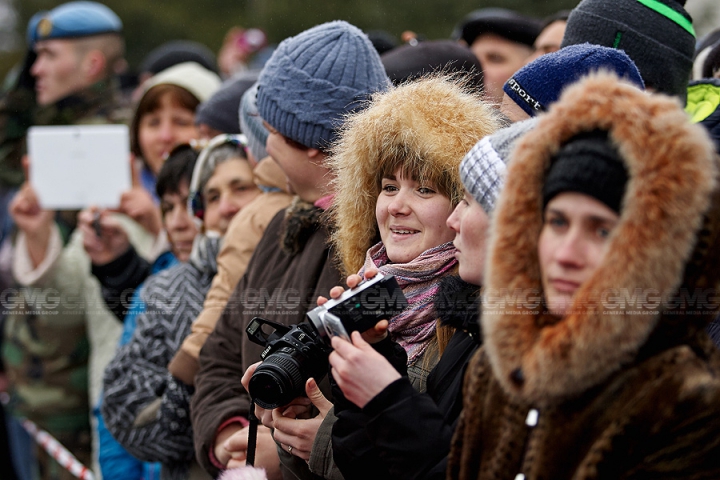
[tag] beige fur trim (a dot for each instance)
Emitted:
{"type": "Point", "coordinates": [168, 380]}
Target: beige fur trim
{"type": "Point", "coordinates": [672, 171]}
{"type": "Point", "coordinates": [436, 120]}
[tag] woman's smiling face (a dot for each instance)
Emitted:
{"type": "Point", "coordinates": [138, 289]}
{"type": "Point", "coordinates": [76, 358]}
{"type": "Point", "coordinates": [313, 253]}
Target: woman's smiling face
{"type": "Point", "coordinates": [411, 217]}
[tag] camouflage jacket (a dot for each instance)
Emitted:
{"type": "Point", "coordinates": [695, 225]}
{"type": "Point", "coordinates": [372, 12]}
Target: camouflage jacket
{"type": "Point", "coordinates": [47, 345]}
{"type": "Point", "coordinates": [98, 104]}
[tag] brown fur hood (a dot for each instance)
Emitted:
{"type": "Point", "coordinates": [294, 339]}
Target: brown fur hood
{"type": "Point", "coordinates": [432, 122]}
{"type": "Point", "coordinates": [672, 172]}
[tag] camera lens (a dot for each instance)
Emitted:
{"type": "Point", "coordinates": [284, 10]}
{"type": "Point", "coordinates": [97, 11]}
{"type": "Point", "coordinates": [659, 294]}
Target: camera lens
{"type": "Point", "coordinates": [277, 381]}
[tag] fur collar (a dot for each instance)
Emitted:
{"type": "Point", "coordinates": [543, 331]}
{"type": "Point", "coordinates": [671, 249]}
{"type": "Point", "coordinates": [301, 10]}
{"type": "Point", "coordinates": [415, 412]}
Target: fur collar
{"type": "Point", "coordinates": [672, 171]}
{"type": "Point", "coordinates": [302, 220]}
{"type": "Point", "coordinates": [433, 122]}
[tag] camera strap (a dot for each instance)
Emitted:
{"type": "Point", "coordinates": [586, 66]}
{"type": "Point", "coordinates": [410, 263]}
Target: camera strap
{"type": "Point", "coordinates": [252, 435]}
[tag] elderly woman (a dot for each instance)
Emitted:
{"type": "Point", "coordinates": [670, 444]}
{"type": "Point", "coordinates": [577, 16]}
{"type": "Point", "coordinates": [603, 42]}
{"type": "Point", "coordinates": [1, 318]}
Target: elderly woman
{"type": "Point", "coordinates": [591, 367]}
{"type": "Point", "coordinates": [145, 408]}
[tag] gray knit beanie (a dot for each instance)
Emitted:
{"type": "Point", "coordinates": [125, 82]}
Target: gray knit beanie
{"type": "Point", "coordinates": [251, 124]}
{"type": "Point", "coordinates": [482, 170]}
{"type": "Point", "coordinates": [313, 79]}
{"type": "Point", "coordinates": [656, 34]}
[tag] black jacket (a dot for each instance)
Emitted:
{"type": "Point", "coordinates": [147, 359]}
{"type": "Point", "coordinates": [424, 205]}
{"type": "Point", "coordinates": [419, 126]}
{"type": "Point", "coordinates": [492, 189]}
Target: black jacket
{"type": "Point", "coordinates": [401, 433]}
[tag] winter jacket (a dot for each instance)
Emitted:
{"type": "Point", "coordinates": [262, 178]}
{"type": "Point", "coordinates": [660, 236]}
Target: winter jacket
{"type": "Point", "coordinates": [704, 106]}
{"type": "Point", "coordinates": [144, 407]}
{"type": "Point", "coordinates": [245, 231]}
{"type": "Point", "coordinates": [58, 334]}
{"type": "Point", "coordinates": [291, 266]}
{"type": "Point", "coordinates": [627, 385]}
{"type": "Point", "coordinates": [59, 302]}
{"type": "Point", "coordinates": [402, 433]}
{"type": "Point", "coordinates": [115, 461]}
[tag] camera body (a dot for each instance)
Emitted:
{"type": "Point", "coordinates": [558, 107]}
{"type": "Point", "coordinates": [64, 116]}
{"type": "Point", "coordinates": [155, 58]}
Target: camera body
{"type": "Point", "coordinates": [295, 353]}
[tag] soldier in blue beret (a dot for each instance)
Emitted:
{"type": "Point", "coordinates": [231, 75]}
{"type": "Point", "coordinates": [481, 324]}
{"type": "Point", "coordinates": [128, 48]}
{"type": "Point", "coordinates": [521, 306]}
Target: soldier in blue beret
{"type": "Point", "coordinates": [77, 44]}
{"type": "Point", "coordinates": [69, 77]}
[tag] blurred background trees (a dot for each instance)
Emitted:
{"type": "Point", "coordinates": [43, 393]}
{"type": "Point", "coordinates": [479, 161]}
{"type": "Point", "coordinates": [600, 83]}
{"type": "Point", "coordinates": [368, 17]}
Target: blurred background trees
{"type": "Point", "coordinates": [148, 23]}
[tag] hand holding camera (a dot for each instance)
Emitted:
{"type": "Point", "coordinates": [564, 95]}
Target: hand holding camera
{"type": "Point", "coordinates": [104, 238]}
{"type": "Point", "coordinates": [294, 354]}
{"type": "Point", "coordinates": [379, 331]}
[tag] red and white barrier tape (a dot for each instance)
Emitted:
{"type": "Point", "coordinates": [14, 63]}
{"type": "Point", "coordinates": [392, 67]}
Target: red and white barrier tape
{"type": "Point", "coordinates": [55, 449]}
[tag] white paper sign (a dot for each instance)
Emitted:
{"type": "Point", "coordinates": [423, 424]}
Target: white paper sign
{"type": "Point", "coordinates": [75, 167]}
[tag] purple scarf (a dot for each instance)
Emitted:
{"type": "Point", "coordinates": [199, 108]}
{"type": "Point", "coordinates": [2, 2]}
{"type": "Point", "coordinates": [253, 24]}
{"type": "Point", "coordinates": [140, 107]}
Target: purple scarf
{"type": "Point", "coordinates": [419, 280]}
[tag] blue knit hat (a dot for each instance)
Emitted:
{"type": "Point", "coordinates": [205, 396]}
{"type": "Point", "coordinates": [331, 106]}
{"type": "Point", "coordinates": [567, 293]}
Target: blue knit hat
{"type": "Point", "coordinates": [540, 83]}
{"type": "Point", "coordinates": [251, 124]}
{"type": "Point", "coordinates": [313, 79]}
{"type": "Point", "coordinates": [73, 20]}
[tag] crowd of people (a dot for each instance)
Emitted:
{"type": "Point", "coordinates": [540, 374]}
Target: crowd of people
{"type": "Point", "coordinates": [544, 193]}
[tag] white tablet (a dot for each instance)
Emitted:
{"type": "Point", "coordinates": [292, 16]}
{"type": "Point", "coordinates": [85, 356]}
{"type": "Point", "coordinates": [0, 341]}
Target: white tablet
{"type": "Point", "coordinates": [75, 167]}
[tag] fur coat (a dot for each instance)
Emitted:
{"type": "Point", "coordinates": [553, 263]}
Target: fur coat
{"type": "Point", "coordinates": [625, 386]}
{"type": "Point", "coordinates": [426, 127]}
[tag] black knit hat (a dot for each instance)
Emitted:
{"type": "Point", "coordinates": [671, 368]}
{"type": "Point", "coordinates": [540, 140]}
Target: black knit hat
{"type": "Point", "coordinates": [178, 51]}
{"type": "Point", "coordinates": [413, 61]}
{"type": "Point", "coordinates": [656, 34]}
{"type": "Point", "coordinates": [590, 164]}
{"type": "Point", "coordinates": [221, 110]}
{"type": "Point", "coordinates": [502, 22]}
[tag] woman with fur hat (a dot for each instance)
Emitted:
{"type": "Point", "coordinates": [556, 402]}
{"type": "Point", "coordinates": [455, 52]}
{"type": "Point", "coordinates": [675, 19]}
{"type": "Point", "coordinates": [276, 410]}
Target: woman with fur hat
{"type": "Point", "coordinates": [594, 363]}
{"type": "Point", "coordinates": [382, 425]}
{"type": "Point", "coordinates": [397, 182]}
{"type": "Point", "coordinates": [392, 161]}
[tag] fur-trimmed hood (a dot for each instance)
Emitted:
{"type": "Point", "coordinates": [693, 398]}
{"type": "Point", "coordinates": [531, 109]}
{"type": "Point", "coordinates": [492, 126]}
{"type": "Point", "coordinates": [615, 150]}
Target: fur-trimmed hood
{"type": "Point", "coordinates": [433, 122]}
{"type": "Point", "coordinates": [672, 172]}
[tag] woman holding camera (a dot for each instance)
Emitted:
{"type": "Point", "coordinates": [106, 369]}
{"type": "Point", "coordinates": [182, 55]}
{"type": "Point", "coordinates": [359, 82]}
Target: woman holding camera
{"type": "Point", "coordinates": [397, 182]}
{"type": "Point", "coordinates": [383, 423]}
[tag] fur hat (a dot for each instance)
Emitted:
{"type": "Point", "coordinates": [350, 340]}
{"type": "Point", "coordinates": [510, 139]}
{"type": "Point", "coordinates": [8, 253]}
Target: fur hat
{"type": "Point", "coordinates": [425, 127]}
{"type": "Point", "coordinates": [539, 83]}
{"type": "Point", "coordinates": [542, 359]}
{"type": "Point", "coordinates": [657, 34]}
{"type": "Point", "coordinates": [313, 79]}
{"type": "Point", "coordinates": [251, 124]}
{"type": "Point", "coordinates": [482, 170]}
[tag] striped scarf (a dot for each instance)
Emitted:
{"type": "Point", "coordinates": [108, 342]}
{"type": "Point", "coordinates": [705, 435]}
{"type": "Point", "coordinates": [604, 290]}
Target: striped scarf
{"type": "Point", "coordinates": [419, 280]}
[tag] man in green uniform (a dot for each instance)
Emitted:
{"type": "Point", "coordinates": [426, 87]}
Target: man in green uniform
{"type": "Point", "coordinates": [67, 79]}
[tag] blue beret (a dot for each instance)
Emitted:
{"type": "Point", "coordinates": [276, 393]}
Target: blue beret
{"type": "Point", "coordinates": [73, 20]}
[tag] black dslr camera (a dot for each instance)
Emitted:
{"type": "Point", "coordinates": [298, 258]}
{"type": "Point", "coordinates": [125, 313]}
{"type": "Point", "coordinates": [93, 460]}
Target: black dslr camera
{"type": "Point", "coordinates": [295, 353]}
